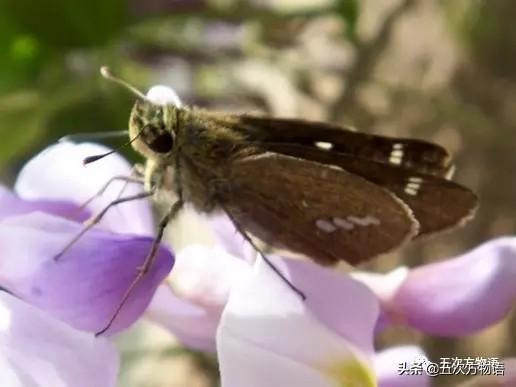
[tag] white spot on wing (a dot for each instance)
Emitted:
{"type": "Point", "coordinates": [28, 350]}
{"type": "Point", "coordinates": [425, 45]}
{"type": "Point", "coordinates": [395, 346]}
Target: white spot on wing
{"type": "Point", "coordinates": [396, 156]}
{"type": "Point", "coordinates": [342, 223]}
{"type": "Point", "coordinates": [365, 221]}
{"type": "Point", "coordinates": [324, 145]}
{"type": "Point", "coordinates": [325, 226]}
{"type": "Point", "coordinates": [410, 191]}
{"type": "Point", "coordinates": [347, 224]}
{"type": "Point", "coordinates": [395, 160]}
{"type": "Point", "coordinates": [413, 185]}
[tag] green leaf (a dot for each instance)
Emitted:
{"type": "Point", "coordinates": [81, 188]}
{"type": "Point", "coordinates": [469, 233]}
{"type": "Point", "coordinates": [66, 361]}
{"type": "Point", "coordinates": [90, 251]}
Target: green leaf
{"type": "Point", "coordinates": [21, 56]}
{"type": "Point", "coordinates": [349, 11]}
{"type": "Point", "coordinates": [66, 23]}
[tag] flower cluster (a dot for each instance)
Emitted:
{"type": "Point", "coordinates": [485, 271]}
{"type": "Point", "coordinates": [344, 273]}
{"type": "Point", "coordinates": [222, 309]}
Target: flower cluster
{"type": "Point", "coordinates": [216, 298]}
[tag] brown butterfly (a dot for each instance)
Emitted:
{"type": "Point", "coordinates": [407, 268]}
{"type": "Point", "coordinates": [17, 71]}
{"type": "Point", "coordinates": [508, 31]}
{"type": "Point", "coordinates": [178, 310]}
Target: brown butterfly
{"type": "Point", "coordinates": [313, 188]}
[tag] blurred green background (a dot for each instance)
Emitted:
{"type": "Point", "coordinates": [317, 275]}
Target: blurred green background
{"type": "Point", "coordinates": [444, 71]}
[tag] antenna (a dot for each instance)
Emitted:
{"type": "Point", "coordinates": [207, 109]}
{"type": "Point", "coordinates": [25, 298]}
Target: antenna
{"type": "Point", "coordinates": [105, 71]}
{"type": "Point", "coordinates": [91, 159]}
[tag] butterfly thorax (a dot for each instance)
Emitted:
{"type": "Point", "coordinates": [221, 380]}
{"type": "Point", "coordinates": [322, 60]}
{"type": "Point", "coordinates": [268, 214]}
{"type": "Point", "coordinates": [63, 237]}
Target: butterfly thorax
{"type": "Point", "coordinates": [192, 145]}
{"type": "Point", "coordinates": [206, 149]}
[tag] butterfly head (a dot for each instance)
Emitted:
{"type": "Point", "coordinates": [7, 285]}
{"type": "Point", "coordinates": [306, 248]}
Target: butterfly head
{"type": "Point", "coordinates": [153, 122]}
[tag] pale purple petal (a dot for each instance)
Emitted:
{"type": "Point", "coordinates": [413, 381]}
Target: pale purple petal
{"type": "Point", "coordinates": [459, 296]}
{"type": "Point", "coordinates": [387, 363]}
{"type": "Point", "coordinates": [191, 324]}
{"type": "Point", "coordinates": [11, 205]}
{"type": "Point", "coordinates": [205, 275]}
{"type": "Point", "coordinates": [39, 351]}
{"type": "Point", "coordinates": [243, 363]}
{"type": "Point", "coordinates": [228, 236]}
{"type": "Point", "coordinates": [58, 173]}
{"type": "Point", "coordinates": [269, 336]}
{"type": "Point", "coordinates": [331, 296]}
{"type": "Point", "coordinates": [86, 285]}
{"type": "Point", "coordinates": [191, 304]}
{"type": "Point", "coordinates": [384, 286]}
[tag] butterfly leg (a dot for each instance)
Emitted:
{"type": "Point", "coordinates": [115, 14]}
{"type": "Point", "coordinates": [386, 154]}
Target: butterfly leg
{"type": "Point", "coordinates": [264, 257]}
{"type": "Point", "coordinates": [147, 263]}
{"type": "Point", "coordinates": [97, 218]}
{"type": "Point", "coordinates": [125, 179]}
{"type": "Point", "coordinates": [152, 171]}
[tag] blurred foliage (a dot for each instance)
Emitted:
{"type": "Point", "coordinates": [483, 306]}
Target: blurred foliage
{"type": "Point", "coordinates": [443, 71]}
{"type": "Point", "coordinates": [44, 71]}
{"type": "Point", "coordinates": [64, 25]}
{"type": "Point", "coordinates": [487, 32]}
{"type": "Point", "coordinates": [349, 11]}
{"type": "Point", "coordinates": [48, 75]}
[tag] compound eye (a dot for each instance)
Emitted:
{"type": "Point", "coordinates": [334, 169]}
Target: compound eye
{"type": "Point", "coordinates": [157, 139]}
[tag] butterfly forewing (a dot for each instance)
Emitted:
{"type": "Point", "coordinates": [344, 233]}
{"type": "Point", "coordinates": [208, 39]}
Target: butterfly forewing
{"type": "Point", "coordinates": [345, 218]}
{"type": "Point", "coordinates": [423, 156]}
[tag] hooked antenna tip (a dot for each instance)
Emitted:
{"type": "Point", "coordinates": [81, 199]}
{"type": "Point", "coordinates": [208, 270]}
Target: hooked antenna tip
{"type": "Point", "coordinates": [91, 159]}
{"type": "Point", "coordinates": [105, 71]}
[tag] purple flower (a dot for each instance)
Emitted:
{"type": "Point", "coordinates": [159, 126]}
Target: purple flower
{"type": "Point", "coordinates": [455, 297]}
{"type": "Point", "coordinates": [190, 304]}
{"type": "Point", "coordinates": [58, 174]}
{"type": "Point", "coordinates": [11, 205]}
{"type": "Point", "coordinates": [263, 328]}
{"type": "Point", "coordinates": [265, 334]}
{"type": "Point", "coordinates": [223, 298]}
{"type": "Point", "coordinates": [269, 336]}
{"type": "Point", "coordinates": [85, 286]}
{"type": "Point", "coordinates": [40, 351]}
